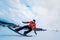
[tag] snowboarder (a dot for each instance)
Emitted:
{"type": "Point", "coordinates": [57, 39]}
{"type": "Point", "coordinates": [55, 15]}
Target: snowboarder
{"type": "Point", "coordinates": [31, 25]}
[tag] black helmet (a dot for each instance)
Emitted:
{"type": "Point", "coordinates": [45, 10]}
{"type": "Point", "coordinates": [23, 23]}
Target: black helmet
{"type": "Point", "coordinates": [34, 20]}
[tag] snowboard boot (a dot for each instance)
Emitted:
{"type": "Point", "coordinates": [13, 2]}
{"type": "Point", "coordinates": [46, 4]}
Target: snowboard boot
{"type": "Point", "coordinates": [25, 33]}
{"type": "Point", "coordinates": [16, 30]}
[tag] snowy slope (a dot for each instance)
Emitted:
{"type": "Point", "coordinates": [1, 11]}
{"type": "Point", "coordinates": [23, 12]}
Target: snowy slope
{"type": "Point", "coordinates": [6, 34]}
{"type": "Point", "coordinates": [45, 12]}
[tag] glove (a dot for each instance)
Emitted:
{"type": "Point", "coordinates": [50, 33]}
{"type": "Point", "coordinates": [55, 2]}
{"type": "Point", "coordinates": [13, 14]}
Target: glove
{"type": "Point", "coordinates": [35, 33]}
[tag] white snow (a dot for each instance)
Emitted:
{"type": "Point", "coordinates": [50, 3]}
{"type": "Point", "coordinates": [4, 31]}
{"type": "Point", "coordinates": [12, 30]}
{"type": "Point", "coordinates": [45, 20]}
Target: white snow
{"type": "Point", "coordinates": [45, 12]}
{"type": "Point", "coordinates": [6, 34]}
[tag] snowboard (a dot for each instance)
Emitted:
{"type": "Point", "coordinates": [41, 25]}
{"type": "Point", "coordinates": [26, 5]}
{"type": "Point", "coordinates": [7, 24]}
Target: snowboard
{"type": "Point", "coordinates": [19, 33]}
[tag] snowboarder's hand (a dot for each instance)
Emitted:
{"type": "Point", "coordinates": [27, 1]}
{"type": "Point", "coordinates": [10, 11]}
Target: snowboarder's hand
{"type": "Point", "coordinates": [35, 33]}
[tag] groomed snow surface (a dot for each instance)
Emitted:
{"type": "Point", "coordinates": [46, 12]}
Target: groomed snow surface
{"type": "Point", "coordinates": [7, 34]}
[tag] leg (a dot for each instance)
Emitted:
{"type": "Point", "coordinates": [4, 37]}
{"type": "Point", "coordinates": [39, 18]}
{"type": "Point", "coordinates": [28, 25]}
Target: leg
{"type": "Point", "coordinates": [29, 30]}
{"type": "Point", "coordinates": [20, 28]}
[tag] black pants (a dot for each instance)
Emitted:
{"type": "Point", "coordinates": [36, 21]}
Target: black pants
{"type": "Point", "coordinates": [25, 27]}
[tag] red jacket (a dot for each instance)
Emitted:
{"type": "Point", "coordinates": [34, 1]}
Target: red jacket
{"type": "Point", "coordinates": [32, 25]}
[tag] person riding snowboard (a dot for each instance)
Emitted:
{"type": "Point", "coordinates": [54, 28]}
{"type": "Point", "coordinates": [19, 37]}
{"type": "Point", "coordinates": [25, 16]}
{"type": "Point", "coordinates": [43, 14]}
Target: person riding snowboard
{"type": "Point", "coordinates": [31, 25]}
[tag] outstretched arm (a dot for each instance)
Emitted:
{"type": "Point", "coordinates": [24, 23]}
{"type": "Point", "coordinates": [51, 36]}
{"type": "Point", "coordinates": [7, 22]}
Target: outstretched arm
{"type": "Point", "coordinates": [25, 22]}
